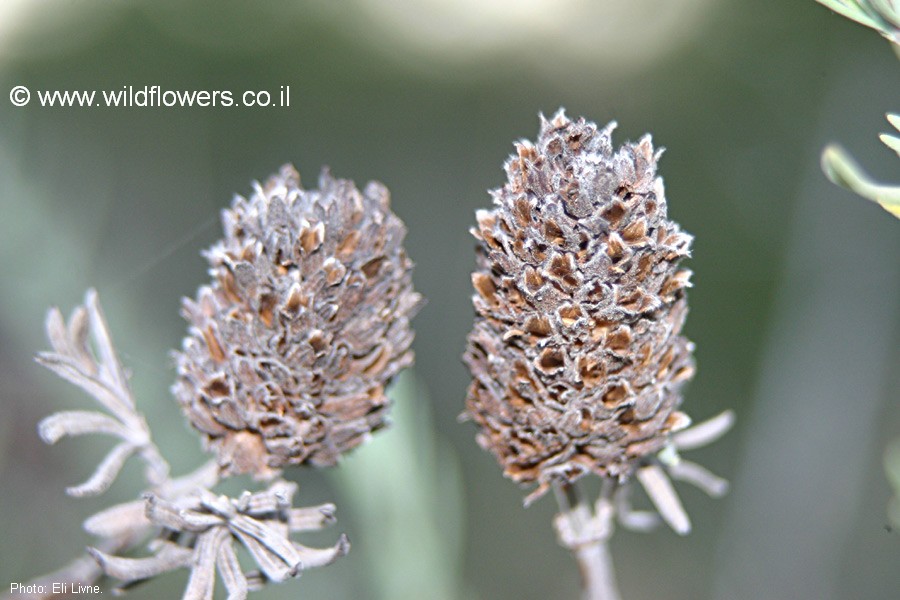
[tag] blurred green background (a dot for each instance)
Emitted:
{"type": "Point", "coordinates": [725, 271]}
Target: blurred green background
{"type": "Point", "coordinates": [794, 312]}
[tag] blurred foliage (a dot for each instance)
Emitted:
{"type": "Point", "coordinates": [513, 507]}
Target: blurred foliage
{"type": "Point", "coordinates": [892, 466]}
{"type": "Point", "coordinates": [884, 17]}
{"type": "Point", "coordinates": [406, 491]}
{"type": "Point", "coordinates": [842, 170]}
{"type": "Point", "coordinates": [881, 15]}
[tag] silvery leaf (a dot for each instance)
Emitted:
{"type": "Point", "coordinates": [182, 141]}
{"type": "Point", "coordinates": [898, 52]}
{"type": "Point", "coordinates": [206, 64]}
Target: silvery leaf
{"type": "Point", "coordinates": [169, 558]}
{"type": "Point", "coordinates": [700, 477]}
{"type": "Point", "coordinates": [268, 537]}
{"type": "Point", "coordinates": [108, 360]}
{"type": "Point", "coordinates": [78, 422]}
{"type": "Point", "coordinates": [230, 572]}
{"type": "Point", "coordinates": [105, 473]}
{"type": "Point", "coordinates": [311, 518]}
{"type": "Point", "coordinates": [202, 582]}
{"type": "Point", "coordinates": [274, 568]}
{"type": "Point", "coordinates": [319, 557]}
{"type": "Point", "coordinates": [118, 520]}
{"type": "Point", "coordinates": [664, 498]}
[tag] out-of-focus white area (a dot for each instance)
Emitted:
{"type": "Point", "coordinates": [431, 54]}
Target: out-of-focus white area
{"type": "Point", "coordinates": [614, 35]}
{"type": "Point", "coordinates": [471, 27]}
{"type": "Point", "coordinates": [611, 36]}
{"type": "Point", "coordinates": [49, 27]}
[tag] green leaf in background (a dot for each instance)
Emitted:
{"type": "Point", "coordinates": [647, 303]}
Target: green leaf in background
{"type": "Point", "coordinates": [881, 15]}
{"type": "Point", "coordinates": [892, 141]}
{"type": "Point", "coordinates": [843, 170]}
{"type": "Point", "coordinates": [405, 490]}
{"type": "Point", "coordinates": [892, 467]}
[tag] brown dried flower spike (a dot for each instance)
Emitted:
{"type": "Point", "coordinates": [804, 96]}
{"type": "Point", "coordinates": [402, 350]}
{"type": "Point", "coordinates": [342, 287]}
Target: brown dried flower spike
{"type": "Point", "coordinates": [304, 324]}
{"type": "Point", "coordinates": [577, 354]}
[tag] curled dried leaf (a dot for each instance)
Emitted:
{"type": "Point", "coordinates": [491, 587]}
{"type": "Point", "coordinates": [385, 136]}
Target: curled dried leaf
{"type": "Point", "coordinates": [118, 520]}
{"type": "Point", "coordinates": [79, 422]}
{"type": "Point", "coordinates": [105, 473]}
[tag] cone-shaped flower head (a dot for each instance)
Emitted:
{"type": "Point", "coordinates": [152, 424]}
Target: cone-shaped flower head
{"type": "Point", "coordinates": [305, 322]}
{"type": "Point", "coordinates": [576, 354]}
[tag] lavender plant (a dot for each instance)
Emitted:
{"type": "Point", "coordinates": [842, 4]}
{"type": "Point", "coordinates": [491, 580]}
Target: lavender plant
{"type": "Point", "coordinates": [577, 355]}
{"type": "Point", "coordinates": [288, 355]}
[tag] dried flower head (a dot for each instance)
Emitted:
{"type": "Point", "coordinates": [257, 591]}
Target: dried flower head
{"type": "Point", "coordinates": [304, 324]}
{"type": "Point", "coordinates": [576, 354]}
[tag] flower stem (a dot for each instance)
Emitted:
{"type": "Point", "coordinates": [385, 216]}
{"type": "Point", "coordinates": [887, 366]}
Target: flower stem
{"type": "Point", "coordinates": [586, 536]}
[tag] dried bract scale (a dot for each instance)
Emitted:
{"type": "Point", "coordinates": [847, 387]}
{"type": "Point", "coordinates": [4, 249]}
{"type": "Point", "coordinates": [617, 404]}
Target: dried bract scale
{"type": "Point", "coordinates": [305, 322]}
{"type": "Point", "coordinates": [576, 354]}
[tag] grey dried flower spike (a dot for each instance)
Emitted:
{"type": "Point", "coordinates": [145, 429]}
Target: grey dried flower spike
{"type": "Point", "coordinates": [577, 355]}
{"type": "Point", "coordinates": [305, 323]}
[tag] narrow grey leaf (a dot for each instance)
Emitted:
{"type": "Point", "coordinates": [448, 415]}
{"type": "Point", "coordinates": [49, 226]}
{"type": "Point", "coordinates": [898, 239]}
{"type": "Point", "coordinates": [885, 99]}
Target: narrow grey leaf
{"type": "Point", "coordinates": [274, 500]}
{"type": "Point", "coordinates": [105, 473]}
{"type": "Point", "coordinates": [311, 518]}
{"type": "Point", "coordinates": [78, 422]}
{"type": "Point", "coordinates": [118, 520]}
{"type": "Point", "coordinates": [700, 477]}
{"type": "Point", "coordinates": [202, 582]}
{"type": "Point", "coordinates": [319, 557]}
{"type": "Point", "coordinates": [230, 572]}
{"type": "Point", "coordinates": [267, 536]}
{"type": "Point", "coordinates": [642, 521]}
{"type": "Point", "coordinates": [635, 520]}
{"type": "Point", "coordinates": [283, 491]}
{"type": "Point", "coordinates": [220, 505]}
{"type": "Point", "coordinates": [256, 580]}
{"type": "Point", "coordinates": [69, 370]}
{"type": "Point", "coordinates": [56, 331]}
{"type": "Point", "coordinates": [166, 514]}
{"type": "Point", "coordinates": [107, 354]}
{"type": "Point", "coordinates": [198, 521]}
{"type": "Point", "coordinates": [169, 558]}
{"type": "Point", "coordinates": [163, 513]}
{"type": "Point", "coordinates": [78, 332]}
{"type": "Point", "coordinates": [157, 469]}
{"type": "Point", "coordinates": [704, 433]}
{"type": "Point", "coordinates": [269, 563]}
{"type": "Point", "coordinates": [664, 498]}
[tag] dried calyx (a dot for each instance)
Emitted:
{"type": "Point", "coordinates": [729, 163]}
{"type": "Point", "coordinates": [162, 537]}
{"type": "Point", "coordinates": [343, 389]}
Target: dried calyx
{"type": "Point", "coordinates": [304, 324]}
{"type": "Point", "coordinates": [577, 355]}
